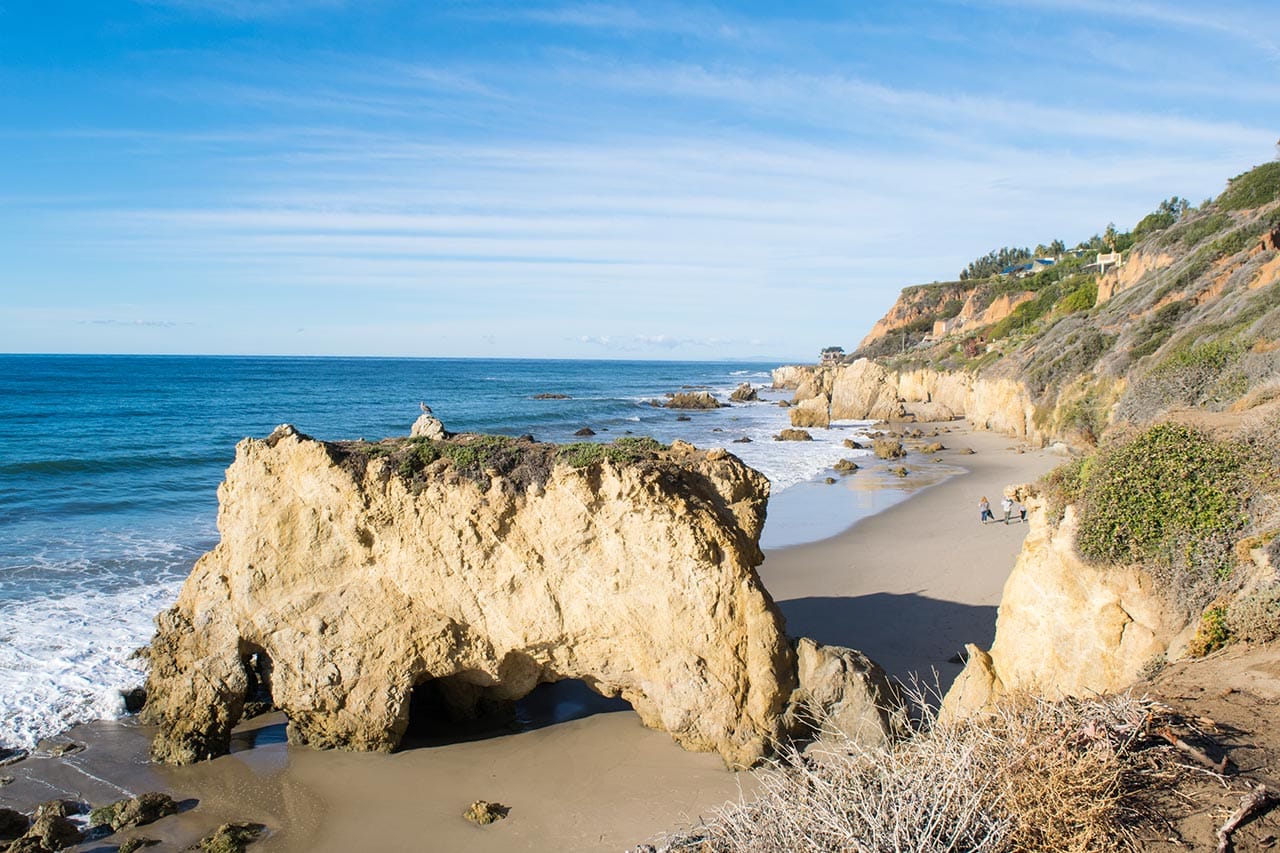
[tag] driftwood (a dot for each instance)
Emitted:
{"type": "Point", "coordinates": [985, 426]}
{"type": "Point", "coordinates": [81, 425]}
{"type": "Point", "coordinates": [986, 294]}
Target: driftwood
{"type": "Point", "coordinates": [1256, 799]}
{"type": "Point", "coordinates": [1219, 767]}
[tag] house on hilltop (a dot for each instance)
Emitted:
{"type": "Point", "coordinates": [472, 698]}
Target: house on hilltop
{"type": "Point", "coordinates": [831, 355]}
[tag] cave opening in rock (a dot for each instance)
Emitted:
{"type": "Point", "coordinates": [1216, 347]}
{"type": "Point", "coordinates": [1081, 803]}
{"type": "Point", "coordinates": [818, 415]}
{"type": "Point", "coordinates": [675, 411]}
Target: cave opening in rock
{"type": "Point", "coordinates": [260, 722]}
{"type": "Point", "coordinates": [451, 710]}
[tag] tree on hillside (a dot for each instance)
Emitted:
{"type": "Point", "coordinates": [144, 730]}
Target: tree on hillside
{"type": "Point", "coordinates": [994, 261]}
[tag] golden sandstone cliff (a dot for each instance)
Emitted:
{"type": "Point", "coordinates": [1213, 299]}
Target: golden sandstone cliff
{"type": "Point", "coordinates": [350, 575]}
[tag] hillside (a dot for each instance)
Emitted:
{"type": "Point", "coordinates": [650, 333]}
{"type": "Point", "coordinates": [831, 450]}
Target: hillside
{"type": "Point", "coordinates": [1189, 317]}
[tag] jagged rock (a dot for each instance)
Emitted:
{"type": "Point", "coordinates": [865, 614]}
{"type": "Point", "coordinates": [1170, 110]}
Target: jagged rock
{"type": "Point", "coordinates": [60, 808]}
{"type": "Point", "coordinates": [483, 812]}
{"type": "Point", "coordinates": [53, 831]}
{"type": "Point", "coordinates": [932, 447]}
{"type": "Point", "coordinates": [900, 471]}
{"type": "Point", "coordinates": [783, 404]}
{"type": "Point", "coordinates": [888, 447]}
{"type": "Point", "coordinates": [1271, 241]}
{"type": "Point", "coordinates": [585, 431]}
{"type": "Point", "coordinates": [13, 824]}
{"type": "Point", "coordinates": [793, 435]}
{"type": "Point", "coordinates": [693, 400]}
{"type": "Point", "coordinates": [790, 375]}
{"type": "Point", "coordinates": [134, 699]}
{"type": "Point", "coordinates": [814, 412]}
{"type": "Point", "coordinates": [830, 481]}
{"type": "Point", "coordinates": [130, 845]}
{"type": "Point", "coordinates": [28, 844]}
{"type": "Point", "coordinates": [134, 811]}
{"type": "Point", "coordinates": [346, 586]}
{"type": "Point", "coordinates": [846, 466]}
{"type": "Point", "coordinates": [853, 445]}
{"type": "Point", "coordinates": [744, 393]}
{"type": "Point", "coordinates": [10, 756]}
{"type": "Point", "coordinates": [842, 690]}
{"type": "Point", "coordinates": [427, 425]}
{"type": "Point", "coordinates": [229, 838]}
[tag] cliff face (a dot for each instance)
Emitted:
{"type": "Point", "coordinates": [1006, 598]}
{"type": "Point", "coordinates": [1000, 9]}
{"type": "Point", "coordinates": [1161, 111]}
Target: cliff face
{"type": "Point", "coordinates": [865, 390]}
{"type": "Point", "coordinates": [1066, 628]}
{"type": "Point", "coordinates": [350, 575]}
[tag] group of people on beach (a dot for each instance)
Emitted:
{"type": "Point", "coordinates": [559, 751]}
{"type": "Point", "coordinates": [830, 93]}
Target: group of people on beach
{"type": "Point", "coordinates": [1007, 505]}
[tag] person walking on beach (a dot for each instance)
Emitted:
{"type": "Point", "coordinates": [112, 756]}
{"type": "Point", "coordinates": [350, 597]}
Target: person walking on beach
{"type": "Point", "coordinates": [1007, 506]}
{"type": "Point", "coordinates": [1022, 512]}
{"type": "Point", "coordinates": [984, 510]}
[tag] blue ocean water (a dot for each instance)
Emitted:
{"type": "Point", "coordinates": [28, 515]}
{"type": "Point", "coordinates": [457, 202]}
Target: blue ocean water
{"type": "Point", "coordinates": [109, 467]}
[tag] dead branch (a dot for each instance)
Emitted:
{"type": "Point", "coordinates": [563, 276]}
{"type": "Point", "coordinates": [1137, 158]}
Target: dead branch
{"type": "Point", "coordinates": [1252, 802]}
{"type": "Point", "coordinates": [1219, 767]}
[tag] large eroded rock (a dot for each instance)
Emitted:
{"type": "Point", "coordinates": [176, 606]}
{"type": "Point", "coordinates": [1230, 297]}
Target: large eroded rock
{"type": "Point", "coordinates": [1065, 627]}
{"type": "Point", "coordinates": [349, 574]}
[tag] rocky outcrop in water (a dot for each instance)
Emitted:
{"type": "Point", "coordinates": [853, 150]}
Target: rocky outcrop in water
{"type": "Point", "coordinates": [350, 575]}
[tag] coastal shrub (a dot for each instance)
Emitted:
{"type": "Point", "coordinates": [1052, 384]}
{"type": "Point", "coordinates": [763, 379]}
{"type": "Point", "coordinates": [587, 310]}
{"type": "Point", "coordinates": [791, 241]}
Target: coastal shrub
{"type": "Point", "coordinates": [1023, 778]}
{"type": "Point", "coordinates": [1211, 634]}
{"type": "Point", "coordinates": [1172, 498]}
{"type": "Point", "coordinates": [1252, 189]}
{"type": "Point", "coordinates": [1202, 227]}
{"type": "Point", "coordinates": [1158, 328]}
{"type": "Point", "coordinates": [1062, 486]}
{"type": "Point", "coordinates": [1082, 298]}
{"type": "Point", "coordinates": [1255, 618]}
{"type": "Point", "coordinates": [1201, 375]}
{"type": "Point", "coordinates": [1076, 354]}
{"type": "Point", "coordinates": [622, 451]}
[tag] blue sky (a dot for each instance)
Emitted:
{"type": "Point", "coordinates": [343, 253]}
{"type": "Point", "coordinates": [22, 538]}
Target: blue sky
{"type": "Point", "coordinates": [618, 180]}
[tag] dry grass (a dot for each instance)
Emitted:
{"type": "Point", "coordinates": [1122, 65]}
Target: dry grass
{"type": "Point", "coordinates": [1068, 777]}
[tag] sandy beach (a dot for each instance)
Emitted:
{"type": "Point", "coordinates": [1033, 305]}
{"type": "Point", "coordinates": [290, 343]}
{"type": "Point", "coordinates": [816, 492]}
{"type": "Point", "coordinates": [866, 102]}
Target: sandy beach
{"type": "Point", "coordinates": [908, 586]}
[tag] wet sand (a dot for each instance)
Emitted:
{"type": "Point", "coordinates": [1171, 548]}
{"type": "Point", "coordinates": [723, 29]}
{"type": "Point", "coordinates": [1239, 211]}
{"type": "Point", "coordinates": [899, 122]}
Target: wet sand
{"type": "Point", "coordinates": [909, 586]}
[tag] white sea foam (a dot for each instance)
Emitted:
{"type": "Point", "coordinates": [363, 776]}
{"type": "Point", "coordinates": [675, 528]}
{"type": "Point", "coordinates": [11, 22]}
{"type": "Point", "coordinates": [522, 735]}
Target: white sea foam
{"type": "Point", "coordinates": [66, 659]}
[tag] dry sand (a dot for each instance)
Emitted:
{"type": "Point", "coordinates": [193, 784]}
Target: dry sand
{"type": "Point", "coordinates": [908, 586]}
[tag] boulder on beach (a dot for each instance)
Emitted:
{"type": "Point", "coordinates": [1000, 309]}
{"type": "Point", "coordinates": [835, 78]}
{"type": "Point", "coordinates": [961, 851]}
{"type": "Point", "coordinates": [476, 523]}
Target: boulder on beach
{"type": "Point", "coordinates": [229, 838]}
{"type": "Point", "coordinates": [842, 692]}
{"type": "Point", "coordinates": [585, 431]}
{"type": "Point", "coordinates": [351, 576]}
{"type": "Point", "coordinates": [744, 393]}
{"type": "Point", "coordinates": [793, 435]}
{"type": "Point", "coordinates": [692, 400]}
{"type": "Point", "coordinates": [811, 413]}
{"type": "Point", "coordinates": [846, 466]}
{"type": "Point", "coordinates": [888, 447]}
{"type": "Point", "coordinates": [134, 811]}
{"type": "Point", "coordinates": [52, 830]}
{"type": "Point", "coordinates": [13, 824]}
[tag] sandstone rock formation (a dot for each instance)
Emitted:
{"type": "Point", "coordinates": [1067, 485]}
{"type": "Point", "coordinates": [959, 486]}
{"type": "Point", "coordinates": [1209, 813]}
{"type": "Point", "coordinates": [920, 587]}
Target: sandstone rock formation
{"type": "Point", "coordinates": [692, 400]}
{"type": "Point", "coordinates": [1067, 628]}
{"type": "Point", "coordinates": [793, 435]}
{"type": "Point", "coordinates": [864, 390]}
{"type": "Point", "coordinates": [427, 425]}
{"type": "Point", "coordinates": [744, 393]}
{"type": "Point", "coordinates": [789, 375]}
{"type": "Point", "coordinates": [842, 690]}
{"type": "Point", "coordinates": [350, 574]}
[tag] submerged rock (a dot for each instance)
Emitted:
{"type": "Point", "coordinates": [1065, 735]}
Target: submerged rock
{"type": "Point", "coordinates": [585, 431]}
{"type": "Point", "coordinates": [343, 587]}
{"type": "Point", "coordinates": [793, 435]}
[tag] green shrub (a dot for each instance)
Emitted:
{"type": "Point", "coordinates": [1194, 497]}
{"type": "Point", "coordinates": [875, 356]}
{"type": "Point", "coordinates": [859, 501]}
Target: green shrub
{"type": "Point", "coordinates": [1211, 634]}
{"type": "Point", "coordinates": [1080, 299]}
{"type": "Point", "coordinates": [1062, 486]}
{"type": "Point", "coordinates": [1256, 618]}
{"type": "Point", "coordinates": [1172, 494]}
{"type": "Point", "coordinates": [620, 452]}
{"type": "Point", "coordinates": [1252, 189]}
{"type": "Point", "coordinates": [1202, 227]}
{"type": "Point", "coordinates": [1153, 222]}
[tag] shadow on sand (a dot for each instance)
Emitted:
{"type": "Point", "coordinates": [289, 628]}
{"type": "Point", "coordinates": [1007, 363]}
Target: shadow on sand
{"type": "Point", "coordinates": [903, 633]}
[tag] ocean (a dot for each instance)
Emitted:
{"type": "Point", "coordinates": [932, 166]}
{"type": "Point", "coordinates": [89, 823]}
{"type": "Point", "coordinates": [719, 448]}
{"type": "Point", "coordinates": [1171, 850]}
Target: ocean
{"type": "Point", "coordinates": [109, 468]}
